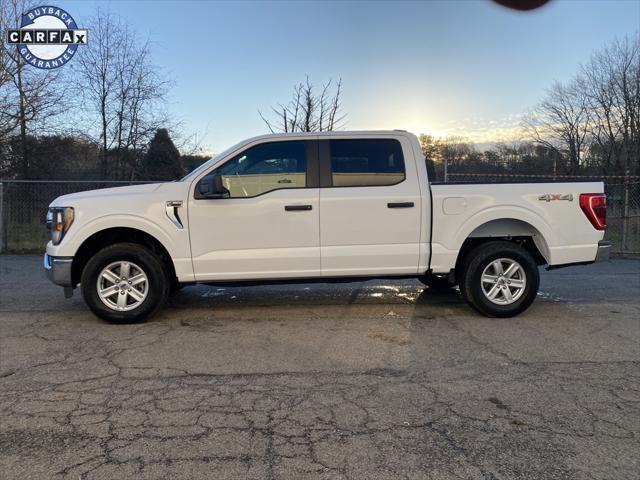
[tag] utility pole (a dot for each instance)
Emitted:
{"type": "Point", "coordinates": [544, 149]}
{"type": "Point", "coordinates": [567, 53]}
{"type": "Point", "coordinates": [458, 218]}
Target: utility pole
{"type": "Point", "coordinates": [446, 170]}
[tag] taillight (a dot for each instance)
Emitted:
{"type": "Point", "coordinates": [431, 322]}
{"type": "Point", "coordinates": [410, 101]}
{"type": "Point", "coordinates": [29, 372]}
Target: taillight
{"type": "Point", "coordinates": [594, 206]}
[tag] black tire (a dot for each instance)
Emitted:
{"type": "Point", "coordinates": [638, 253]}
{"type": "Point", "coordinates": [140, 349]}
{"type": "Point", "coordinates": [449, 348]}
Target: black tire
{"type": "Point", "coordinates": [437, 282]}
{"type": "Point", "coordinates": [481, 258]}
{"type": "Point", "coordinates": [461, 270]}
{"type": "Point", "coordinates": [151, 264]}
{"type": "Point", "coordinates": [175, 288]}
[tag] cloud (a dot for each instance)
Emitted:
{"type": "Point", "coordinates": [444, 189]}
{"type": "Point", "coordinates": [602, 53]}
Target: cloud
{"type": "Point", "coordinates": [508, 128]}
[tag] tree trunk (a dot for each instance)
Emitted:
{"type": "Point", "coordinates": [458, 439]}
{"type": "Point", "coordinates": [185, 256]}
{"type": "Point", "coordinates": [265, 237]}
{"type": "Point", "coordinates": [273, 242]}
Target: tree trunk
{"type": "Point", "coordinates": [103, 114]}
{"type": "Point", "coordinates": [22, 119]}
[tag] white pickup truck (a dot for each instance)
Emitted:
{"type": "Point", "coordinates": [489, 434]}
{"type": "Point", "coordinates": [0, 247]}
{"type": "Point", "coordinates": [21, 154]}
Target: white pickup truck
{"type": "Point", "coordinates": [319, 206]}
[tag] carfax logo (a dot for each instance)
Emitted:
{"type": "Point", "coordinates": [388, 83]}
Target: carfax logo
{"type": "Point", "coordinates": [48, 37]}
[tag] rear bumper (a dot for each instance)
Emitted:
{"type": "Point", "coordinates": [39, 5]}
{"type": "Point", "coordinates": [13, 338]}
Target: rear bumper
{"type": "Point", "coordinates": [602, 254]}
{"type": "Point", "coordinates": [58, 270]}
{"type": "Point", "coordinates": [604, 251]}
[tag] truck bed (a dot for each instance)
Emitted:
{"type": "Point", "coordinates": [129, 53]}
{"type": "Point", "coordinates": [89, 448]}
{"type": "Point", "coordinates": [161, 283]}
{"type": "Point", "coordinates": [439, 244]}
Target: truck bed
{"type": "Point", "coordinates": [548, 211]}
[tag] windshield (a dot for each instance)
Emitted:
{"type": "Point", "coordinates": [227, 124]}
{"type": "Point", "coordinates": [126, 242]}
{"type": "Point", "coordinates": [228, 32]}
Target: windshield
{"type": "Point", "coordinates": [210, 162]}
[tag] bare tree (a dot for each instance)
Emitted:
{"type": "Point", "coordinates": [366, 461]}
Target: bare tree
{"type": "Point", "coordinates": [561, 122]}
{"type": "Point", "coordinates": [611, 80]}
{"type": "Point", "coordinates": [125, 92]}
{"type": "Point", "coordinates": [594, 120]}
{"type": "Point", "coordinates": [596, 80]}
{"type": "Point", "coordinates": [28, 96]}
{"type": "Point", "coordinates": [625, 80]}
{"type": "Point", "coordinates": [431, 147]}
{"type": "Point", "coordinates": [309, 111]}
{"type": "Point", "coordinates": [7, 70]}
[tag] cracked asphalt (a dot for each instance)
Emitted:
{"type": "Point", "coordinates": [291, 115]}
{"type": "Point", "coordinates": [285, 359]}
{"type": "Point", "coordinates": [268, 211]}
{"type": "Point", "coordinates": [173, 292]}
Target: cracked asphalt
{"type": "Point", "coordinates": [373, 380]}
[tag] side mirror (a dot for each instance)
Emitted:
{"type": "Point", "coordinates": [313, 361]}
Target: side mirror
{"type": "Point", "coordinates": [211, 186]}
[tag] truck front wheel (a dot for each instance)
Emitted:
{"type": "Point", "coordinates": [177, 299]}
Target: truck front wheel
{"type": "Point", "coordinates": [500, 279]}
{"type": "Point", "coordinates": [124, 283]}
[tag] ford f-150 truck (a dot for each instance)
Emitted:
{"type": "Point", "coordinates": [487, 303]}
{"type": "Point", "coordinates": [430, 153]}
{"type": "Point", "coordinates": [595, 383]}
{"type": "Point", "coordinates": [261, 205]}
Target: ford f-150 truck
{"type": "Point", "coordinates": [320, 206]}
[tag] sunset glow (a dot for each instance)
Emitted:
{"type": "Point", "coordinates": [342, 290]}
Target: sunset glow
{"type": "Point", "coordinates": [467, 69]}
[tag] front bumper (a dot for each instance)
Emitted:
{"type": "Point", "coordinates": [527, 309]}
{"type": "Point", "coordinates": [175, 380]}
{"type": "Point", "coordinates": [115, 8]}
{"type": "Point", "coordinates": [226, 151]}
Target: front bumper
{"type": "Point", "coordinates": [58, 270]}
{"type": "Point", "coordinates": [604, 251]}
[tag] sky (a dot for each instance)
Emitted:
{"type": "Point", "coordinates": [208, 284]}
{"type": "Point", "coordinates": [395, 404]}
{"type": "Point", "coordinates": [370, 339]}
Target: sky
{"type": "Point", "coordinates": [460, 67]}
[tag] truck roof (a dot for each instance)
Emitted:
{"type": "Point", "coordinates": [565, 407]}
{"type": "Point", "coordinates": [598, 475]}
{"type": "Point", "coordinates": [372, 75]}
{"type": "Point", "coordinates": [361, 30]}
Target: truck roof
{"type": "Point", "coordinates": [335, 133]}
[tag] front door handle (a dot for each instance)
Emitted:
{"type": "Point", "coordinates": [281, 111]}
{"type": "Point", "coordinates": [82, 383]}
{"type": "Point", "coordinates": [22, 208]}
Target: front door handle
{"type": "Point", "coordinates": [297, 208]}
{"type": "Point", "coordinates": [400, 205]}
{"type": "Point", "coordinates": [285, 180]}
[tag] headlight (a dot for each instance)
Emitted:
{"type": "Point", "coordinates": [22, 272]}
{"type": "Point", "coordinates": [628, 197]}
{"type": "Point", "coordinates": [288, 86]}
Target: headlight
{"type": "Point", "coordinates": [59, 219]}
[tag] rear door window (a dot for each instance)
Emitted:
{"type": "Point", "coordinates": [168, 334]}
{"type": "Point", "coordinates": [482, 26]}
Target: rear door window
{"type": "Point", "coordinates": [366, 162]}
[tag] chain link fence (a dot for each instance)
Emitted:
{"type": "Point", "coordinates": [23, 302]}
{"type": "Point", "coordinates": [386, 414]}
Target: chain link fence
{"type": "Point", "coordinates": [23, 206]}
{"type": "Point", "coordinates": [23, 209]}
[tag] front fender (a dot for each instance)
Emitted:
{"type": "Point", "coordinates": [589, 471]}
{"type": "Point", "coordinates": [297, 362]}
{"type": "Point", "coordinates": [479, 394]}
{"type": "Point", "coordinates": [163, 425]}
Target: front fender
{"type": "Point", "coordinates": [176, 242]}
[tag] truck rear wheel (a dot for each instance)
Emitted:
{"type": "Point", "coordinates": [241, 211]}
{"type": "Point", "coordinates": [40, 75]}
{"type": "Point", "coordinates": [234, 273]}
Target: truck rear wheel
{"type": "Point", "coordinates": [124, 283]}
{"type": "Point", "coordinates": [500, 279]}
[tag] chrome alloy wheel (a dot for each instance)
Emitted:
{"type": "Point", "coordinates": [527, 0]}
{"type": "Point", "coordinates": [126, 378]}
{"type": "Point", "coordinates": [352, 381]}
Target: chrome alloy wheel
{"type": "Point", "coordinates": [122, 286]}
{"type": "Point", "coordinates": [503, 281]}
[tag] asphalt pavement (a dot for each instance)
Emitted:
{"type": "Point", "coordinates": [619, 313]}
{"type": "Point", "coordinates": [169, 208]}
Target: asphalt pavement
{"type": "Point", "coordinates": [367, 380]}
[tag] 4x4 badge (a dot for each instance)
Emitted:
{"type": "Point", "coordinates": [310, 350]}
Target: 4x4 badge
{"type": "Point", "coordinates": [556, 196]}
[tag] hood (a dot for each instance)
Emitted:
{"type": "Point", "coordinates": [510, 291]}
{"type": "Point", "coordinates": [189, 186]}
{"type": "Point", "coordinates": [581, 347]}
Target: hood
{"type": "Point", "coordinates": [113, 193]}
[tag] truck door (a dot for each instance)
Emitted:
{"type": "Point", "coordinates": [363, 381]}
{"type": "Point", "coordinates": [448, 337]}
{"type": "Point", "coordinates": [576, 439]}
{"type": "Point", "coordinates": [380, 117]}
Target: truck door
{"type": "Point", "coordinates": [269, 225]}
{"type": "Point", "coordinates": [369, 208]}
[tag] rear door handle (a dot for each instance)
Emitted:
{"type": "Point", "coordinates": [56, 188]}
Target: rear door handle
{"type": "Point", "coordinates": [284, 180]}
{"type": "Point", "coordinates": [297, 208]}
{"type": "Point", "coordinates": [400, 205]}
